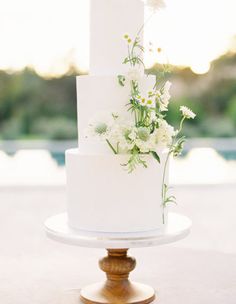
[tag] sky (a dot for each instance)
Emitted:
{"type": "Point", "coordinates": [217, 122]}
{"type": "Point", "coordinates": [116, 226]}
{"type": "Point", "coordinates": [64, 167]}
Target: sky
{"type": "Point", "coordinates": [50, 34]}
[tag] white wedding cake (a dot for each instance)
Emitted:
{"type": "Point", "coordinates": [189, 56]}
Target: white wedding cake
{"type": "Point", "coordinates": [102, 195]}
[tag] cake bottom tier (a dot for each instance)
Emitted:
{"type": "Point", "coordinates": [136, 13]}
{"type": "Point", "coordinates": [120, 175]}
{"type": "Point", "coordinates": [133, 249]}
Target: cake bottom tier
{"type": "Point", "coordinates": [104, 197]}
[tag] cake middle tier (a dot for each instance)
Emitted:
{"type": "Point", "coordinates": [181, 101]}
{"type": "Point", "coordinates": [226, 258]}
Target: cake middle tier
{"type": "Point", "coordinates": [102, 196]}
{"type": "Point", "coordinates": [103, 94]}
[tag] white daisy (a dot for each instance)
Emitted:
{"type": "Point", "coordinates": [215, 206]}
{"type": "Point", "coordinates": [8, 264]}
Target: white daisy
{"type": "Point", "coordinates": [153, 116]}
{"type": "Point", "coordinates": [127, 38]}
{"type": "Point", "coordinates": [134, 74]}
{"type": "Point", "coordinates": [147, 102]}
{"type": "Point", "coordinates": [155, 5]}
{"type": "Point", "coordinates": [164, 134]}
{"type": "Point", "coordinates": [165, 97]}
{"type": "Point", "coordinates": [142, 101]}
{"type": "Point", "coordinates": [187, 113]}
{"type": "Point", "coordinates": [150, 103]}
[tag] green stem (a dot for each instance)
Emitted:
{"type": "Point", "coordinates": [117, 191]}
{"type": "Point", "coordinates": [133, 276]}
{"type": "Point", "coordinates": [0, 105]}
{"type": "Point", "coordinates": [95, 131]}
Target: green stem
{"type": "Point", "coordinates": [179, 131]}
{"type": "Point", "coordinates": [165, 167]}
{"type": "Point", "coordinates": [144, 24]}
{"type": "Point", "coordinates": [132, 88]}
{"type": "Point", "coordinates": [164, 176]}
{"type": "Point", "coordinates": [129, 56]}
{"type": "Point", "coordinates": [181, 124]}
{"type": "Point", "coordinates": [110, 145]}
{"type": "Point", "coordinates": [163, 186]}
{"type": "Point", "coordinates": [131, 51]}
{"type": "Point", "coordinates": [135, 118]}
{"type": "Point", "coordinates": [117, 148]}
{"type": "Point", "coordinates": [168, 156]}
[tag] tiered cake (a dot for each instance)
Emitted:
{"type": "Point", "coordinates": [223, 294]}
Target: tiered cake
{"type": "Point", "coordinates": [102, 196]}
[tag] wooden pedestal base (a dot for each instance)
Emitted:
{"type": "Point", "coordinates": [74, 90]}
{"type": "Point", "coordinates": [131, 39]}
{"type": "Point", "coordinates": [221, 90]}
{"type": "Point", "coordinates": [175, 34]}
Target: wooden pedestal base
{"type": "Point", "coordinates": [117, 289]}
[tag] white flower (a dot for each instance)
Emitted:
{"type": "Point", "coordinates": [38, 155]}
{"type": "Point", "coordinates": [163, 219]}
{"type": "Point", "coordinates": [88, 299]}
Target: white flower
{"type": "Point", "coordinates": [134, 74]}
{"type": "Point", "coordinates": [100, 126]}
{"type": "Point", "coordinates": [165, 97]}
{"type": "Point", "coordinates": [127, 38]}
{"type": "Point", "coordinates": [132, 134]}
{"type": "Point", "coordinates": [142, 101]}
{"type": "Point", "coordinates": [123, 135]}
{"type": "Point", "coordinates": [167, 86]}
{"type": "Point", "coordinates": [163, 108]}
{"type": "Point", "coordinates": [150, 103]}
{"type": "Point", "coordinates": [187, 113]}
{"type": "Point", "coordinates": [153, 116]}
{"type": "Point", "coordinates": [114, 133]}
{"type": "Point", "coordinates": [164, 133]}
{"type": "Point", "coordinates": [145, 141]}
{"type": "Point", "coordinates": [155, 5]}
{"type": "Point", "coordinates": [147, 102]}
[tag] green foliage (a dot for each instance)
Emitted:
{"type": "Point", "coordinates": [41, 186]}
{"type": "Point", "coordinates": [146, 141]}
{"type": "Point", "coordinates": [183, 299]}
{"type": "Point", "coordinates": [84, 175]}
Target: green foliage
{"type": "Point", "coordinates": [168, 199]}
{"type": "Point", "coordinates": [57, 128]}
{"type": "Point", "coordinates": [173, 115]}
{"type": "Point", "coordinates": [27, 99]}
{"type": "Point", "coordinates": [134, 52]}
{"type": "Point", "coordinates": [218, 95]}
{"type": "Point", "coordinates": [121, 80]}
{"type": "Point", "coordinates": [33, 106]}
{"type": "Point", "coordinates": [216, 116]}
{"type": "Point", "coordinates": [12, 128]}
{"type": "Point", "coordinates": [134, 161]}
{"type": "Point", "coordinates": [231, 109]}
{"type": "Point", "coordinates": [217, 127]}
{"type": "Point", "coordinates": [156, 156]}
{"type": "Point", "coordinates": [178, 146]}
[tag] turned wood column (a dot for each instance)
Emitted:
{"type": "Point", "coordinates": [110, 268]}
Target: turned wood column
{"type": "Point", "coordinates": [117, 266]}
{"type": "Point", "coordinates": [117, 289]}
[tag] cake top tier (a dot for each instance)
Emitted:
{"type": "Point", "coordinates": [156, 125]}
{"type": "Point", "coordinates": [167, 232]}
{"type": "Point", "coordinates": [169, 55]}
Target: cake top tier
{"type": "Point", "coordinates": [110, 20]}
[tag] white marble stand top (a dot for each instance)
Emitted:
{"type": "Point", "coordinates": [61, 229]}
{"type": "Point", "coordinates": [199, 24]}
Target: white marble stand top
{"type": "Point", "coordinates": [177, 228]}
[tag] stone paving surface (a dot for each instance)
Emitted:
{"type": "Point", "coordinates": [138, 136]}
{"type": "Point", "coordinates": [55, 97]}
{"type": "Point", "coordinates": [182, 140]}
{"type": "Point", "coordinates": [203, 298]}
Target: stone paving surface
{"type": "Point", "coordinates": [197, 270]}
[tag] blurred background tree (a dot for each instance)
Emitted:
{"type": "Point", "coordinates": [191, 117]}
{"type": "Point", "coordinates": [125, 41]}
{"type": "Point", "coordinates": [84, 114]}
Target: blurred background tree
{"type": "Point", "coordinates": [32, 107]}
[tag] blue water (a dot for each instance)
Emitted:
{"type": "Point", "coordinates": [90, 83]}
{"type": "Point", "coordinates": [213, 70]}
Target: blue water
{"type": "Point", "coordinates": [227, 155]}
{"type": "Point", "coordinates": [59, 158]}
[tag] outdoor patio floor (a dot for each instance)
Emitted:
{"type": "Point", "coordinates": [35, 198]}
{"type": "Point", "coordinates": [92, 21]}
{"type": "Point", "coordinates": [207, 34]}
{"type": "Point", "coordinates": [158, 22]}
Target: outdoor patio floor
{"type": "Point", "coordinates": [198, 270]}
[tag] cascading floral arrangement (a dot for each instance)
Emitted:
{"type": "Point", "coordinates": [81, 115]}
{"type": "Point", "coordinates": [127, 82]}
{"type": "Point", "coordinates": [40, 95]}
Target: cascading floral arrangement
{"type": "Point", "coordinates": [148, 133]}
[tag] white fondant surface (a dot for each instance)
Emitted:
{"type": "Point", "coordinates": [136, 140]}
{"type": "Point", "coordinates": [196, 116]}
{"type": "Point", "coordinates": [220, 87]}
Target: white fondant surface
{"type": "Point", "coordinates": [58, 229]}
{"type": "Point", "coordinates": [103, 196]}
{"type": "Point", "coordinates": [110, 20]}
{"type": "Point", "coordinates": [101, 94]}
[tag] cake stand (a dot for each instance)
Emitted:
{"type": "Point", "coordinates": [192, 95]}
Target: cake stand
{"type": "Point", "coordinates": [117, 289]}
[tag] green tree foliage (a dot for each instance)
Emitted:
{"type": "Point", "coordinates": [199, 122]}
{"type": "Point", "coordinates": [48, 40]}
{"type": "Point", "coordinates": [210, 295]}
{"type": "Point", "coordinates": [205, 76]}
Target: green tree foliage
{"type": "Point", "coordinates": [34, 107]}
{"type": "Point", "coordinates": [231, 109]}
{"type": "Point", "coordinates": [31, 106]}
{"type": "Point", "coordinates": [211, 96]}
